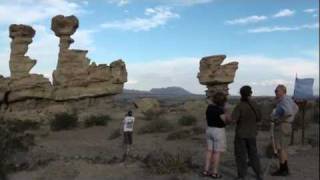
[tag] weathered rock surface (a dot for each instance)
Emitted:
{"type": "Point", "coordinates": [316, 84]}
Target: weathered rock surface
{"type": "Point", "coordinates": [75, 77]}
{"type": "Point", "coordinates": [216, 76]}
{"type": "Point", "coordinates": [23, 85]}
{"type": "Point", "coordinates": [77, 85]}
{"type": "Point", "coordinates": [4, 88]}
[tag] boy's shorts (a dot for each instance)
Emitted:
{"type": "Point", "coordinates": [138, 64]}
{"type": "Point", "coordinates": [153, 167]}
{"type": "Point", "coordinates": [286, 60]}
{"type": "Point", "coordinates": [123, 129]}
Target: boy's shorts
{"type": "Point", "coordinates": [127, 137]}
{"type": "Point", "coordinates": [216, 139]}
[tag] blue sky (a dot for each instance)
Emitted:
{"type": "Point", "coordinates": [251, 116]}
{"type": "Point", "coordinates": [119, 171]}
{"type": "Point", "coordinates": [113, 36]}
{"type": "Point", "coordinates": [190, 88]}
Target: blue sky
{"type": "Point", "coordinates": [162, 41]}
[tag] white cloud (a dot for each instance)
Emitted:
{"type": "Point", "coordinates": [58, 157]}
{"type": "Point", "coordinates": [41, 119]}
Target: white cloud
{"type": "Point", "coordinates": [30, 11]}
{"type": "Point", "coordinates": [119, 2]}
{"type": "Point", "coordinates": [155, 17]}
{"type": "Point", "coordinates": [264, 73]}
{"type": "Point", "coordinates": [268, 29]}
{"type": "Point", "coordinates": [311, 10]}
{"type": "Point", "coordinates": [284, 13]}
{"type": "Point", "coordinates": [247, 20]}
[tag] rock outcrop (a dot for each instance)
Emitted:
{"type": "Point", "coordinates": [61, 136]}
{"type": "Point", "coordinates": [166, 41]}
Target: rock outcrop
{"type": "Point", "coordinates": [216, 76]}
{"type": "Point", "coordinates": [77, 83]}
{"type": "Point", "coordinates": [22, 84]}
{"type": "Point", "coordinates": [148, 105]}
{"type": "Point", "coordinates": [75, 77]}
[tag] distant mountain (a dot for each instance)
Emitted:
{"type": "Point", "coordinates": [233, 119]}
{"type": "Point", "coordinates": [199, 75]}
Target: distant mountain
{"type": "Point", "coordinates": [177, 91]}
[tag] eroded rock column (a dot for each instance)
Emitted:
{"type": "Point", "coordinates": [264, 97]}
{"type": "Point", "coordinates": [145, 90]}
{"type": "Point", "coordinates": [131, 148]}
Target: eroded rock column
{"type": "Point", "coordinates": [75, 77]}
{"type": "Point", "coordinates": [216, 76]}
{"type": "Point", "coordinates": [22, 84]}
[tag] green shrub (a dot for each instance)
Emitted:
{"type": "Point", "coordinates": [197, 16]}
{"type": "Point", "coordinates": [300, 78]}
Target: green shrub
{"type": "Point", "coordinates": [97, 121]}
{"type": "Point", "coordinates": [115, 134]}
{"type": "Point", "coordinates": [63, 121]}
{"type": "Point", "coordinates": [187, 120]}
{"type": "Point", "coordinates": [166, 163]}
{"type": "Point", "coordinates": [156, 126]}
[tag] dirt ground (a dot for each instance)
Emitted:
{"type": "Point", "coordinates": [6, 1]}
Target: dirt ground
{"type": "Point", "coordinates": [88, 154]}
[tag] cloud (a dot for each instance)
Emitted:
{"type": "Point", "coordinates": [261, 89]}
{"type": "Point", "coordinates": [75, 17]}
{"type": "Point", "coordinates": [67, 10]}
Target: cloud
{"type": "Point", "coordinates": [30, 11]}
{"type": "Point", "coordinates": [155, 17]}
{"type": "Point", "coordinates": [268, 29]}
{"type": "Point", "coordinates": [261, 72]}
{"type": "Point", "coordinates": [119, 2]}
{"type": "Point", "coordinates": [284, 13]}
{"type": "Point", "coordinates": [310, 10]}
{"type": "Point", "coordinates": [264, 73]}
{"type": "Point", "coordinates": [247, 20]}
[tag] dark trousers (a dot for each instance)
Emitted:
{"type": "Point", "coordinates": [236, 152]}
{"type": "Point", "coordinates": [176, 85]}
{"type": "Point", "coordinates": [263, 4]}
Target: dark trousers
{"type": "Point", "coordinates": [244, 148]}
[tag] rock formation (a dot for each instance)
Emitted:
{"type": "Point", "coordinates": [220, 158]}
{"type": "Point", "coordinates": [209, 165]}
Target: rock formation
{"type": "Point", "coordinates": [216, 76]}
{"type": "Point", "coordinates": [77, 83]}
{"type": "Point", "coordinates": [23, 85]}
{"type": "Point", "coordinates": [148, 105]}
{"type": "Point", "coordinates": [75, 77]}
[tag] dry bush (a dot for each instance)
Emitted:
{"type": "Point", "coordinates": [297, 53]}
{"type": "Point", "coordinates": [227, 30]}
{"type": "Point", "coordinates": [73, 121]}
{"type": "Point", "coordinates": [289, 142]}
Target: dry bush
{"type": "Point", "coordinates": [160, 162]}
{"type": "Point", "coordinates": [185, 133]}
{"type": "Point", "coordinates": [97, 121]}
{"type": "Point", "coordinates": [187, 120]}
{"type": "Point", "coordinates": [63, 121]}
{"type": "Point", "coordinates": [156, 126]}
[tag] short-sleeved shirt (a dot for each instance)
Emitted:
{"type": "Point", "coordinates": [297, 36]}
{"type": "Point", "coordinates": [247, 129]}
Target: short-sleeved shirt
{"type": "Point", "coordinates": [128, 123]}
{"type": "Point", "coordinates": [213, 116]}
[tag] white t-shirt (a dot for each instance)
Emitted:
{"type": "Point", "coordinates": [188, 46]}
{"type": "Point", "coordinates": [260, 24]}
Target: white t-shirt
{"type": "Point", "coordinates": [128, 123]}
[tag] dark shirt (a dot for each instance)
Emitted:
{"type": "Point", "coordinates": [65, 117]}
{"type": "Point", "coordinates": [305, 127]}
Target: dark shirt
{"type": "Point", "coordinates": [246, 118]}
{"type": "Point", "coordinates": [213, 116]}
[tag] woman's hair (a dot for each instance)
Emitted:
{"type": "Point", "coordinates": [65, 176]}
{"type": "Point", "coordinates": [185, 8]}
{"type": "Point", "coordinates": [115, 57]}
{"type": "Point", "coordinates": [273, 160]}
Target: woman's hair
{"type": "Point", "coordinates": [245, 92]}
{"type": "Point", "coordinates": [129, 113]}
{"type": "Point", "coordinates": [219, 98]}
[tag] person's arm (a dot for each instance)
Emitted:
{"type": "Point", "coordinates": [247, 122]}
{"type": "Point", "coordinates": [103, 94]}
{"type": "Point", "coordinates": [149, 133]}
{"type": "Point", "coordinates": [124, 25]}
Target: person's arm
{"type": "Point", "coordinates": [277, 113]}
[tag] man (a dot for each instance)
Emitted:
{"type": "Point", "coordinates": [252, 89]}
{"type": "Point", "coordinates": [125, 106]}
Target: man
{"type": "Point", "coordinates": [282, 117]}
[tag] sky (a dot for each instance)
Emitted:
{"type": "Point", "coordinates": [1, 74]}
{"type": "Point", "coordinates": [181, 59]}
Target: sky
{"type": "Point", "coordinates": [162, 41]}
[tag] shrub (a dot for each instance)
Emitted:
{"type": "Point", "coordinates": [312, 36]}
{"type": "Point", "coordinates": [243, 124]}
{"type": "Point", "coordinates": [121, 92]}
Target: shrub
{"type": "Point", "coordinates": [185, 133]}
{"type": "Point", "coordinates": [151, 114]}
{"type": "Point", "coordinates": [63, 121]}
{"type": "Point", "coordinates": [156, 126]}
{"type": "Point", "coordinates": [97, 121]}
{"type": "Point", "coordinates": [115, 134]}
{"type": "Point", "coordinates": [187, 120]}
{"type": "Point", "coordinates": [12, 139]}
{"type": "Point", "coordinates": [166, 163]}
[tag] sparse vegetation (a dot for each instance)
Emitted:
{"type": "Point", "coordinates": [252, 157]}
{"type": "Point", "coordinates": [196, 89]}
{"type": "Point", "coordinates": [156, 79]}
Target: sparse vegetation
{"type": "Point", "coordinates": [187, 120]}
{"type": "Point", "coordinates": [156, 126]}
{"type": "Point", "coordinates": [97, 121]}
{"type": "Point", "coordinates": [151, 115]}
{"type": "Point", "coordinates": [166, 163]}
{"type": "Point", "coordinates": [185, 133]}
{"type": "Point", "coordinates": [13, 139]}
{"type": "Point", "coordinates": [63, 121]}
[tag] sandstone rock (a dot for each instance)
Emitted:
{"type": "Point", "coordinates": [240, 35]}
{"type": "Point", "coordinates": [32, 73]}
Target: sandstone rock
{"type": "Point", "coordinates": [23, 85]}
{"type": "Point", "coordinates": [75, 77]}
{"type": "Point", "coordinates": [4, 88]}
{"type": "Point", "coordinates": [216, 76]}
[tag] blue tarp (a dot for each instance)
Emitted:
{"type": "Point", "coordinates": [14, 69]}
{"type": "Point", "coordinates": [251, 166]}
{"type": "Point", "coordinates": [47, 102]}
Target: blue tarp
{"type": "Point", "coordinates": [303, 89]}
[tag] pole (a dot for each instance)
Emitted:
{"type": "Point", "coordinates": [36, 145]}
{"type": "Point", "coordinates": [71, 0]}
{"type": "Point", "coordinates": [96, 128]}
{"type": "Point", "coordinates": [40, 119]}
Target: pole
{"type": "Point", "coordinates": [303, 107]}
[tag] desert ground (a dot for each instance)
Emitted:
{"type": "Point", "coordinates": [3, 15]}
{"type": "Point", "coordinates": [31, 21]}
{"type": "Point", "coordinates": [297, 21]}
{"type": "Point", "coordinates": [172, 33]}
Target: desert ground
{"type": "Point", "coordinates": [168, 149]}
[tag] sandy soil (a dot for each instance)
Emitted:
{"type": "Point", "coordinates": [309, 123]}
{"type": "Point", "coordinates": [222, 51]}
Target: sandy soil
{"type": "Point", "coordinates": [87, 154]}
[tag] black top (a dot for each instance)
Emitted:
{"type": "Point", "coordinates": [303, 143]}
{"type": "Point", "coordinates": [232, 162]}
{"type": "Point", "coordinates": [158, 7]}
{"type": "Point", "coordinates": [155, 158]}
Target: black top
{"type": "Point", "coordinates": [213, 116]}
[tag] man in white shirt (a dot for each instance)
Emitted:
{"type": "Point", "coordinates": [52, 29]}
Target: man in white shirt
{"type": "Point", "coordinates": [127, 125]}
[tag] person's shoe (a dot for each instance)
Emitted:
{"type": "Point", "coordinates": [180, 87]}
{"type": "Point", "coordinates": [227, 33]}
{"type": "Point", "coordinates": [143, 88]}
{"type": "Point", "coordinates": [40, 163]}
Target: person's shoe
{"type": "Point", "coordinates": [280, 172]}
{"type": "Point", "coordinates": [241, 178]}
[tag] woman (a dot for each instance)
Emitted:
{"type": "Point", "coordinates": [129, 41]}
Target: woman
{"type": "Point", "coordinates": [216, 137]}
{"type": "Point", "coordinates": [246, 114]}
